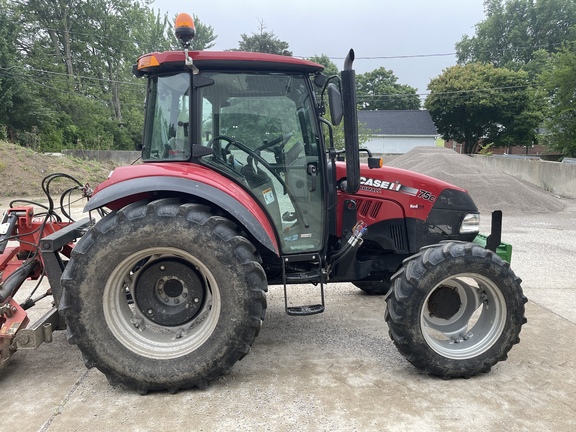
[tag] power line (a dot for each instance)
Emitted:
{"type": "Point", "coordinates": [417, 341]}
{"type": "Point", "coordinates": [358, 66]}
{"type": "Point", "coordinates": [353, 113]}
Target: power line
{"type": "Point", "coordinates": [394, 57]}
{"type": "Point", "coordinates": [409, 56]}
{"type": "Point", "coordinates": [38, 82]}
{"type": "Point", "coordinates": [101, 36]}
{"type": "Point", "coordinates": [477, 90]}
{"type": "Point", "coordinates": [74, 76]}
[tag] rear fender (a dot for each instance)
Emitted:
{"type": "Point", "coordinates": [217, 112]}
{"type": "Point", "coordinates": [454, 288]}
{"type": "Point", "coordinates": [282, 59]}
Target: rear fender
{"type": "Point", "coordinates": [237, 203]}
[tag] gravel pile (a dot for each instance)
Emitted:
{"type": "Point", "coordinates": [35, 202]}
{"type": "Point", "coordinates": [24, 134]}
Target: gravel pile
{"type": "Point", "coordinates": [491, 189]}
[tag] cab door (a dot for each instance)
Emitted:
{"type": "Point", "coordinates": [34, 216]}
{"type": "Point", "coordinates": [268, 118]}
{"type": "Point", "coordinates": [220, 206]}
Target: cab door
{"type": "Point", "coordinates": [262, 130]}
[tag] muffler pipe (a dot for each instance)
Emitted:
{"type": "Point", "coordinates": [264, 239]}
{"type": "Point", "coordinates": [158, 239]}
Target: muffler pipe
{"type": "Point", "coordinates": [349, 60]}
{"type": "Point", "coordinates": [348, 76]}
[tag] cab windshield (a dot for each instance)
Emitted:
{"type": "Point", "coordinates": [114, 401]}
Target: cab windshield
{"type": "Point", "coordinates": [166, 132]}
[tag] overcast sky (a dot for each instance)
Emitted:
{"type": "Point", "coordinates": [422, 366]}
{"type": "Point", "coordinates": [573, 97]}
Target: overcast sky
{"type": "Point", "coordinates": [373, 28]}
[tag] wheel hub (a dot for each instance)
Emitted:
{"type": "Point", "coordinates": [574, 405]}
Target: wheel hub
{"type": "Point", "coordinates": [444, 302]}
{"type": "Point", "coordinates": [169, 292]}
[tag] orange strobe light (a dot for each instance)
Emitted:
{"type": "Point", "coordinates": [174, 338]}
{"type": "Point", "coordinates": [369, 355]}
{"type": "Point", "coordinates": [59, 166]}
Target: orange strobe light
{"type": "Point", "coordinates": [184, 29]}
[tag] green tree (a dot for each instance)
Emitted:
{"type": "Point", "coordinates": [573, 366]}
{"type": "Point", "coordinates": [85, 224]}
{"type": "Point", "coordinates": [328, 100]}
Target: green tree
{"type": "Point", "coordinates": [477, 102]}
{"type": "Point", "coordinates": [514, 29]}
{"type": "Point", "coordinates": [264, 42]}
{"type": "Point", "coordinates": [330, 68]}
{"type": "Point", "coordinates": [205, 37]}
{"type": "Point", "coordinates": [79, 55]}
{"type": "Point", "coordinates": [55, 19]}
{"type": "Point", "coordinates": [8, 56]}
{"type": "Point", "coordinates": [153, 33]}
{"type": "Point", "coordinates": [20, 107]}
{"type": "Point", "coordinates": [560, 80]}
{"type": "Point", "coordinates": [379, 90]}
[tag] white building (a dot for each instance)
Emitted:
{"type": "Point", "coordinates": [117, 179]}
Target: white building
{"type": "Point", "coordinates": [397, 131]}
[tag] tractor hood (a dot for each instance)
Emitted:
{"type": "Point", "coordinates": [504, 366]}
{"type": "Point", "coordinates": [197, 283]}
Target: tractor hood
{"type": "Point", "coordinates": [417, 193]}
{"type": "Point", "coordinates": [427, 209]}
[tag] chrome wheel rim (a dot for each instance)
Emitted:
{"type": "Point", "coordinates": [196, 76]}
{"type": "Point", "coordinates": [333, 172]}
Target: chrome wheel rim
{"type": "Point", "coordinates": [156, 324]}
{"type": "Point", "coordinates": [463, 316]}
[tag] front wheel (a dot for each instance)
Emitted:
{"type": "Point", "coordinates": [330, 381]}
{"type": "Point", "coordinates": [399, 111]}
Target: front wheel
{"type": "Point", "coordinates": [455, 310]}
{"type": "Point", "coordinates": [164, 295]}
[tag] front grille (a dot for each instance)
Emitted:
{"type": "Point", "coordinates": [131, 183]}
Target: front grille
{"type": "Point", "coordinates": [368, 208]}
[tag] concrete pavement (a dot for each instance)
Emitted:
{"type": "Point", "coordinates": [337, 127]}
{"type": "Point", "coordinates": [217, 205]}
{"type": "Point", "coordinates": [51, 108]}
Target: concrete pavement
{"type": "Point", "coordinates": [337, 371]}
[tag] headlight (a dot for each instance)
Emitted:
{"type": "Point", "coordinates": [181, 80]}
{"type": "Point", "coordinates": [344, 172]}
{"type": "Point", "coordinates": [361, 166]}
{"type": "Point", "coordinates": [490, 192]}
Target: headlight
{"type": "Point", "coordinates": [470, 223]}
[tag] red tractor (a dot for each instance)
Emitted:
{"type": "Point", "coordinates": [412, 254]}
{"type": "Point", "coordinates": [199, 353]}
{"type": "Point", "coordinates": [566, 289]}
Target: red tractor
{"type": "Point", "coordinates": [241, 187]}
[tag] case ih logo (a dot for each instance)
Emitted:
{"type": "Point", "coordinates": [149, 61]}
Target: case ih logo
{"type": "Point", "coordinates": [375, 185]}
{"type": "Point", "coordinates": [380, 184]}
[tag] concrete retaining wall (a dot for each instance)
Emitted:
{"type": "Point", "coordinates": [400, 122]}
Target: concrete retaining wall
{"type": "Point", "coordinates": [119, 157]}
{"type": "Point", "coordinates": [556, 177]}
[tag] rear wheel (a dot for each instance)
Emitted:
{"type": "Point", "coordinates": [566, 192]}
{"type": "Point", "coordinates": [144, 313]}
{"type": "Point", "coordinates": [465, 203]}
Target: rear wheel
{"type": "Point", "coordinates": [164, 295]}
{"type": "Point", "coordinates": [455, 310]}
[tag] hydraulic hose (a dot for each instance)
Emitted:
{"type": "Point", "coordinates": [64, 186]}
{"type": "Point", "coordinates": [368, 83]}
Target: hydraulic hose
{"type": "Point", "coordinates": [16, 279]}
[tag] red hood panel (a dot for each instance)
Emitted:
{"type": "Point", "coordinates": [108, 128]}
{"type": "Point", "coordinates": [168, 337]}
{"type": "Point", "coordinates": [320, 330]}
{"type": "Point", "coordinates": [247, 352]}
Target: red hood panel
{"type": "Point", "coordinates": [415, 192]}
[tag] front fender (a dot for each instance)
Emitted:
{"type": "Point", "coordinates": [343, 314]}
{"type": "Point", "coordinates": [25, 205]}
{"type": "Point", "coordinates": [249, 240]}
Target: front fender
{"type": "Point", "coordinates": [237, 202]}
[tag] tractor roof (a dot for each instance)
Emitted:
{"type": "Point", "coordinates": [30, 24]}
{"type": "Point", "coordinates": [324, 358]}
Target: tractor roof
{"type": "Point", "coordinates": [223, 60]}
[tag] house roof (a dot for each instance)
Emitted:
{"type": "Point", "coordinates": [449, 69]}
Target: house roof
{"type": "Point", "coordinates": [398, 122]}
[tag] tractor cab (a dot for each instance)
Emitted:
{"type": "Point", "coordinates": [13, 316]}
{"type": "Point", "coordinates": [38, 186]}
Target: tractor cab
{"type": "Point", "coordinates": [257, 128]}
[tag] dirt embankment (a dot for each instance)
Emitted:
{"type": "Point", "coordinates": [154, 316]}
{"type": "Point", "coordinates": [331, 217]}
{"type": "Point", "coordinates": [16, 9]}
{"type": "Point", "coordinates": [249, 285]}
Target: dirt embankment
{"type": "Point", "coordinates": [22, 171]}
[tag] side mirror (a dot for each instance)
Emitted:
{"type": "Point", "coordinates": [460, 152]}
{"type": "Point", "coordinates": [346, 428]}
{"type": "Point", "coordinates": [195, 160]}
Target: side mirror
{"type": "Point", "coordinates": [335, 104]}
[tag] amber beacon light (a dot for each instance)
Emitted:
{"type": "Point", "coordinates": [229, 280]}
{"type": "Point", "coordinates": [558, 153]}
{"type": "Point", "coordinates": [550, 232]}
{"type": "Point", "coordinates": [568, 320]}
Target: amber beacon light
{"type": "Point", "coordinates": [184, 29]}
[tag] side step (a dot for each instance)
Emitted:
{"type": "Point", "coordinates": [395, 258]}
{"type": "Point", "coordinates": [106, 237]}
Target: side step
{"type": "Point", "coordinates": [308, 277]}
{"type": "Point", "coordinates": [305, 310]}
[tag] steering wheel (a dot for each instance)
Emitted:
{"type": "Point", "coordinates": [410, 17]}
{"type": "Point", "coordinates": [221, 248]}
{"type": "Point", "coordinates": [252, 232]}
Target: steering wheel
{"type": "Point", "coordinates": [218, 138]}
{"type": "Point", "coordinates": [281, 139]}
{"type": "Point", "coordinates": [233, 142]}
{"type": "Point", "coordinates": [217, 147]}
{"type": "Point", "coordinates": [264, 162]}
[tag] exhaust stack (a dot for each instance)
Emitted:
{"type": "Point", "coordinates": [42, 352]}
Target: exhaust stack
{"type": "Point", "coordinates": [350, 125]}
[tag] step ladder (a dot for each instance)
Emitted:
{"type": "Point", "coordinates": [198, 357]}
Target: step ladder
{"type": "Point", "coordinates": [312, 276]}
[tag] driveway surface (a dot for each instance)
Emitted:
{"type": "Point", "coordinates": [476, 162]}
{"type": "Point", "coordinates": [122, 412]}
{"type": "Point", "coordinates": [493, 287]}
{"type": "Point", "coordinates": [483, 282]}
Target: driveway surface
{"type": "Point", "coordinates": [337, 371]}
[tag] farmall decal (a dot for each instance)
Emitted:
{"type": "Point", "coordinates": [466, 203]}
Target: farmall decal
{"type": "Point", "coordinates": [376, 186]}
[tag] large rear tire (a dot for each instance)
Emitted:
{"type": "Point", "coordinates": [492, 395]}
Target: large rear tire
{"type": "Point", "coordinates": [455, 310]}
{"type": "Point", "coordinates": [164, 295]}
